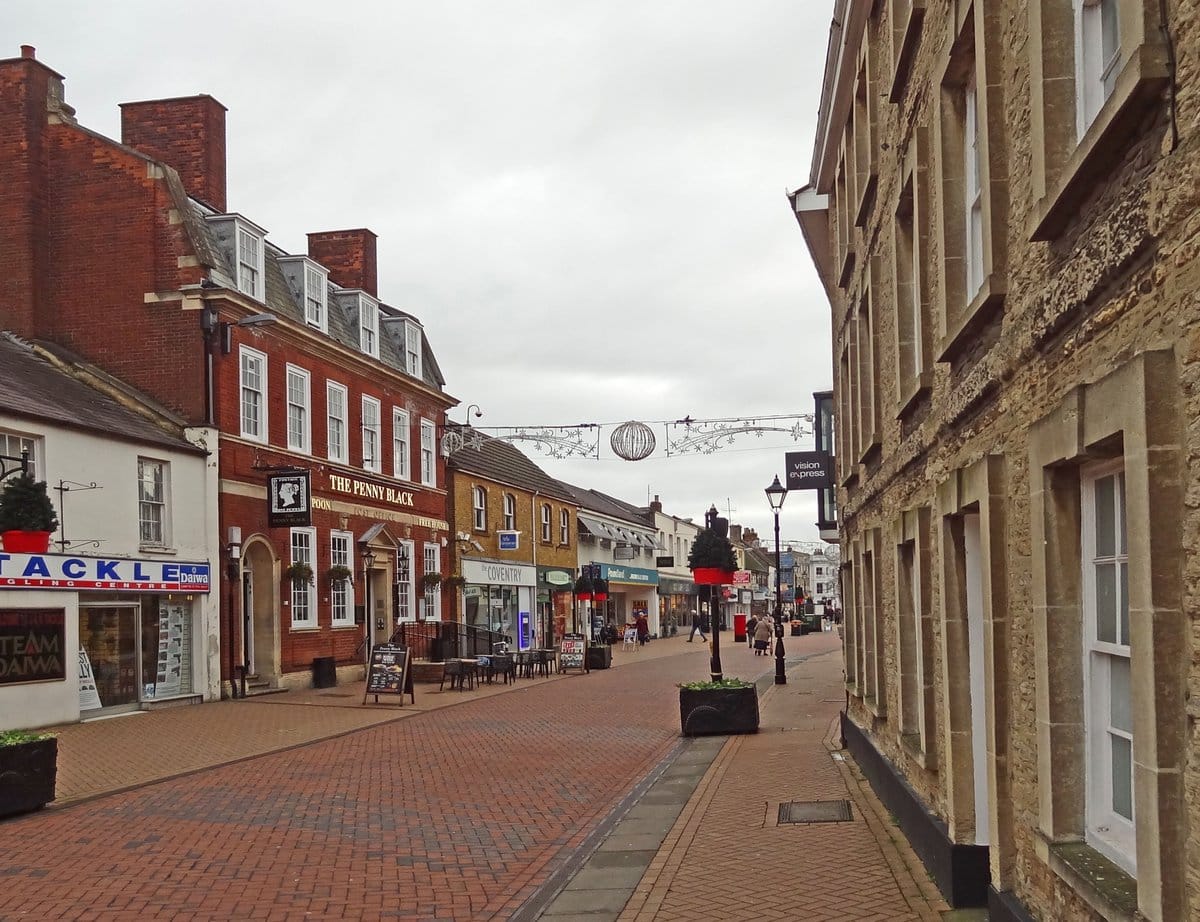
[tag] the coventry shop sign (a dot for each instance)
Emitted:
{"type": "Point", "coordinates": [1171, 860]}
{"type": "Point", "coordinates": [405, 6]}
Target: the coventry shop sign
{"type": "Point", "coordinates": [62, 571]}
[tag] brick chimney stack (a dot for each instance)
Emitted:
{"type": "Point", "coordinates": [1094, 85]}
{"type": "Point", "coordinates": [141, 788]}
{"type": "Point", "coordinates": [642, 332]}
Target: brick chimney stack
{"type": "Point", "coordinates": [186, 133]}
{"type": "Point", "coordinates": [655, 504]}
{"type": "Point", "coordinates": [735, 534]}
{"type": "Point", "coordinates": [349, 255]}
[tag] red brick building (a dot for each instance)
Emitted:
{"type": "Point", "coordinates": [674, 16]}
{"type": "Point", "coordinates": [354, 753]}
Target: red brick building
{"type": "Point", "coordinates": [126, 253]}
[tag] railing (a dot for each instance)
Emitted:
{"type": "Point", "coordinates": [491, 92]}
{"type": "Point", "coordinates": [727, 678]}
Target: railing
{"type": "Point", "coordinates": [435, 641]}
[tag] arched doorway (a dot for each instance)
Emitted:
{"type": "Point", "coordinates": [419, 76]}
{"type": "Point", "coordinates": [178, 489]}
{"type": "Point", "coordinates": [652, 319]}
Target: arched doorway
{"type": "Point", "coordinates": [259, 630]}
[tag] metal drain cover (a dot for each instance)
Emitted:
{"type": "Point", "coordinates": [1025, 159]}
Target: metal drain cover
{"type": "Point", "coordinates": [815, 811]}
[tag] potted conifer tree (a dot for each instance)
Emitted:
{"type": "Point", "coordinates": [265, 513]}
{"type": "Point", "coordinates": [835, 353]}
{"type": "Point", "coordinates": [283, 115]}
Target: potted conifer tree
{"type": "Point", "coordinates": [27, 516]}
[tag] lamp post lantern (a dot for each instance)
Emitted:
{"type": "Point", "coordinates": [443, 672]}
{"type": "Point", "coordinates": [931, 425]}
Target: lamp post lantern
{"type": "Point", "coordinates": [776, 494]}
{"type": "Point", "coordinates": [368, 559]}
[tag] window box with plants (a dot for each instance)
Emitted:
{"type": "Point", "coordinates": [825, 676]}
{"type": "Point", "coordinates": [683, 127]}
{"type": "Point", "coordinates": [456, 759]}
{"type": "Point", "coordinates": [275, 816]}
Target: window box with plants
{"type": "Point", "coordinates": [717, 708]}
{"type": "Point", "coordinates": [28, 767]}
{"type": "Point", "coordinates": [431, 580]}
{"type": "Point", "coordinates": [27, 516]}
{"type": "Point", "coordinates": [299, 574]}
{"type": "Point", "coordinates": [339, 574]}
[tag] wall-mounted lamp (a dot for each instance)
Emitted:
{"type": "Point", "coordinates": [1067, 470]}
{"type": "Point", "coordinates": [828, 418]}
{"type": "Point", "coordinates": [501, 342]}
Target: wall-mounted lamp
{"type": "Point", "coordinates": [254, 320]}
{"type": "Point", "coordinates": [234, 548]}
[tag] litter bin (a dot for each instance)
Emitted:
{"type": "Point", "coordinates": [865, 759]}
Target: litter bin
{"type": "Point", "coordinates": [324, 672]}
{"type": "Point", "coordinates": [599, 657]}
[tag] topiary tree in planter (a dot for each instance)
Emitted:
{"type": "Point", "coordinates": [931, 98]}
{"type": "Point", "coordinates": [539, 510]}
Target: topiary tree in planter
{"type": "Point", "coordinates": [27, 516]}
{"type": "Point", "coordinates": [712, 551]}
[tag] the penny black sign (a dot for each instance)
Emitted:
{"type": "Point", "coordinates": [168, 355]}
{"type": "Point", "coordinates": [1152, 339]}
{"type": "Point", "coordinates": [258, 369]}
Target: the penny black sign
{"type": "Point", "coordinates": [289, 500]}
{"type": "Point", "coordinates": [32, 643]}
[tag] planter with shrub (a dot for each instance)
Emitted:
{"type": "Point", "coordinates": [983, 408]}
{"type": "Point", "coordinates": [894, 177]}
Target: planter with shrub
{"type": "Point", "coordinates": [28, 767]}
{"type": "Point", "coordinates": [27, 516]}
{"type": "Point", "coordinates": [718, 708]}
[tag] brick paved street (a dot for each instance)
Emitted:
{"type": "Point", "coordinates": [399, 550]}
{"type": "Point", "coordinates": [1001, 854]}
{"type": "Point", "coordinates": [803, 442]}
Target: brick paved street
{"type": "Point", "coordinates": [450, 812]}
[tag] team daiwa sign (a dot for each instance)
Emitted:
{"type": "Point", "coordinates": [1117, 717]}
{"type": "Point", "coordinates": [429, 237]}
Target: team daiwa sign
{"type": "Point", "coordinates": [62, 571]}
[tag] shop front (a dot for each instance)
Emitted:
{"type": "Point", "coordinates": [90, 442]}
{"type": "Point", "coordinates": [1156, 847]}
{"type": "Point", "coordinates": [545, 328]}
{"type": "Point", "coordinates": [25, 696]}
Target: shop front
{"type": "Point", "coordinates": [500, 597]}
{"type": "Point", "coordinates": [554, 594]}
{"type": "Point", "coordinates": [632, 591]}
{"type": "Point", "coordinates": [89, 636]}
{"type": "Point", "coordinates": [676, 599]}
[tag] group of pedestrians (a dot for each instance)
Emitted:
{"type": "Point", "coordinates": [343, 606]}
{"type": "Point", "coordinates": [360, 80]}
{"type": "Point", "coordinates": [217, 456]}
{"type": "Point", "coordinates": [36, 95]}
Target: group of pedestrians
{"type": "Point", "coordinates": [758, 634]}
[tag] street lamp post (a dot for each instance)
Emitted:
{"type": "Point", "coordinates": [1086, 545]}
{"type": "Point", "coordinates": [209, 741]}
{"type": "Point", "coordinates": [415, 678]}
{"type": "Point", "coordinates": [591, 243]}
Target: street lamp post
{"type": "Point", "coordinates": [368, 559]}
{"type": "Point", "coordinates": [776, 494]}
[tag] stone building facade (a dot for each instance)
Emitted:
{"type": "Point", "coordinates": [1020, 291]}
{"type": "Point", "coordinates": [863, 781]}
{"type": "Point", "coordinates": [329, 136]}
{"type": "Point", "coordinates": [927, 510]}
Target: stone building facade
{"type": "Point", "coordinates": [1002, 210]}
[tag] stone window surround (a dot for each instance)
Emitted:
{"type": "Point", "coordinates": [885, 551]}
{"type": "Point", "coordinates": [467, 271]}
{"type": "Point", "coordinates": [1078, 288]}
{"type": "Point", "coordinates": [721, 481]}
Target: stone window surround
{"type": "Point", "coordinates": [1132, 412]}
{"type": "Point", "coordinates": [851, 621]}
{"type": "Point", "coordinates": [975, 51]}
{"type": "Point", "coordinates": [915, 637]}
{"type": "Point", "coordinates": [979, 488]}
{"type": "Point", "coordinates": [867, 398]}
{"type": "Point", "coordinates": [848, 368]}
{"type": "Point", "coordinates": [914, 348]}
{"type": "Point", "coordinates": [870, 620]}
{"type": "Point", "coordinates": [865, 131]}
{"type": "Point", "coordinates": [906, 17]}
{"type": "Point", "coordinates": [1067, 169]}
{"type": "Point", "coordinates": [844, 239]}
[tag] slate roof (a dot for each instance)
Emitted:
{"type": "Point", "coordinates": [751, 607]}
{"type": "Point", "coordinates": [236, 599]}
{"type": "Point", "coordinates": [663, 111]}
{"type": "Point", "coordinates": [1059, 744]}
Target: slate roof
{"type": "Point", "coordinates": [278, 299]}
{"type": "Point", "coordinates": [33, 386]}
{"type": "Point", "coordinates": [502, 462]}
{"type": "Point", "coordinates": [610, 506]}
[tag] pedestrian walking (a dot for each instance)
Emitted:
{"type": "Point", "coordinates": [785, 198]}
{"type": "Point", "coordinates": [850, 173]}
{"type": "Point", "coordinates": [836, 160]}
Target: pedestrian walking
{"type": "Point", "coordinates": [697, 627]}
{"type": "Point", "coordinates": [762, 637]}
{"type": "Point", "coordinates": [750, 626]}
{"type": "Point", "coordinates": [643, 629]}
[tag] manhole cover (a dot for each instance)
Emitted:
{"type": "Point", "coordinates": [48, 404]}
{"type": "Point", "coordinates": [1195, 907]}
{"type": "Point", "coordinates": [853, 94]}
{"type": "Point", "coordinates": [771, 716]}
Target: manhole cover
{"type": "Point", "coordinates": [815, 811]}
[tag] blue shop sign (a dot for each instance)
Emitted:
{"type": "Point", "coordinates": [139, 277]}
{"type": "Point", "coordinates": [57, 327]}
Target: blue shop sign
{"type": "Point", "coordinates": [75, 572]}
{"type": "Point", "coordinates": [637, 575]}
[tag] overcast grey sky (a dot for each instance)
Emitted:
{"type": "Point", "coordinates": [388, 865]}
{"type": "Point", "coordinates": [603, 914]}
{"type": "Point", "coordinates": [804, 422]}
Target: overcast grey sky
{"type": "Point", "coordinates": [583, 200]}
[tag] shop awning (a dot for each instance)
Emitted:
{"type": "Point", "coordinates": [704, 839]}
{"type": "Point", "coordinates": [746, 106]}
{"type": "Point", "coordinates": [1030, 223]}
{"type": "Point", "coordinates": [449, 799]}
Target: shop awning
{"type": "Point", "coordinates": [598, 528]}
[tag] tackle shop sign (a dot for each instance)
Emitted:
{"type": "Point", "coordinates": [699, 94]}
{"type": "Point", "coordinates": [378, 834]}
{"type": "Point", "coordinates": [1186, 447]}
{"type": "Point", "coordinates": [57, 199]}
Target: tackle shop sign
{"type": "Point", "coordinates": [64, 571]}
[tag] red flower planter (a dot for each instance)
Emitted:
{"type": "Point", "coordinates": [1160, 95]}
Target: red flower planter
{"type": "Point", "coordinates": [26, 542]}
{"type": "Point", "coordinates": [711, 576]}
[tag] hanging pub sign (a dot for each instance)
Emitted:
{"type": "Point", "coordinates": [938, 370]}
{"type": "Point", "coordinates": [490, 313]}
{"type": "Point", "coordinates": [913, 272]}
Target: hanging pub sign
{"type": "Point", "coordinates": [32, 645]}
{"type": "Point", "coordinates": [808, 470]}
{"type": "Point", "coordinates": [289, 499]}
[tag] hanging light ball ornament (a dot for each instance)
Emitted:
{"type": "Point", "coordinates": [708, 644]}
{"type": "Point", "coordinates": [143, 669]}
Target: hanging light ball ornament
{"type": "Point", "coordinates": [632, 441]}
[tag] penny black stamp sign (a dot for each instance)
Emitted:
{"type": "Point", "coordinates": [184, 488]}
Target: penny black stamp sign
{"type": "Point", "coordinates": [289, 500]}
{"type": "Point", "coordinates": [32, 644]}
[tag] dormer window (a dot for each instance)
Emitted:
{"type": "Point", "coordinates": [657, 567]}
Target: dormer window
{"type": "Point", "coordinates": [250, 268]}
{"type": "Point", "coordinates": [368, 326]}
{"type": "Point", "coordinates": [412, 348]}
{"type": "Point", "coordinates": [315, 292]}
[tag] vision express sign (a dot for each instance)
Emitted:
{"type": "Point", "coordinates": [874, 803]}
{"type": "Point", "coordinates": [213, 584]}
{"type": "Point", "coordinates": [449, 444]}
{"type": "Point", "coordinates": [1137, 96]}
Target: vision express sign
{"type": "Point", "coordinates": [808, 470]}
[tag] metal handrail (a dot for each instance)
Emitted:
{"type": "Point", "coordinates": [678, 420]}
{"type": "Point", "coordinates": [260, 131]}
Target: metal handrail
{"type": "Point", "coordinates": [435, 641]}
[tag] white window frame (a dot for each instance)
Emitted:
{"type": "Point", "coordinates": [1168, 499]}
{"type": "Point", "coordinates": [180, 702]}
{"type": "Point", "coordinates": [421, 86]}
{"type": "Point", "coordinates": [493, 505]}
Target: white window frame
{"type": "Point", "coordinates": [341, 594]}
{"type": "Point", "coordinates": [412, 348]}
{"type": "Point", "coordinates": [245, 353]}
{"type": "Point", "coordinates": [972, 193]}
{"type": "Point", "coordinates": [162, 502]}
{"type": "Point", "coordinates": [401, 445]}
{"type": "Point", "coordinates": [368, 325]}
{"type": "Point", "coordinates": [1096, 67]}
{"type": "Point", "coordinates": [428, 453]}
{"type": "Point", "coordinates": [510, 512]}
{"type": "Point", "coordinates": [303, 598]}
{"type": "Point", "coordinates": [316, 297]}
{"type": "Point", "coordinates": [371, 433]}
{"type": "Point", "coordinates": [479, 508]}
{"type": "Point", "coordinates": [1110, 833]}
{"type": "Point", "coordinates": [249, 253]}
{"type": "Point", "coordinates": [564, 526]}
{"type": "Point", "coordinates": [299, 414]}
{"type": "Point", "coordinates": [336, 426]}
{"type": "Point", "coordinates": [406, 597]}
{"type": "Point", "coordinates": [12, 443]}
{"type": "Point", "coordinates": [547, 523]}
{"type": "Point", "coordinates": [431, 562]}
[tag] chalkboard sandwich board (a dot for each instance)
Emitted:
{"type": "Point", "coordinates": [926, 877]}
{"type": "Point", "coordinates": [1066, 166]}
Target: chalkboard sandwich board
{"type": "Point", "coordinates": [389, 673]}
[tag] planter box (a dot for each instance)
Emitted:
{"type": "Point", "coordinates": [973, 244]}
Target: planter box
{"type": "Point", "coordinates": [599, 657]}
{"type": "Point", "coordinates": [718, 711]}
{"type": "Point", "coordinates": [711, 576]}
{"type": "Point", "coordinates": [27, 774]}
{"type": "Point", "coordinates": [26, 542]}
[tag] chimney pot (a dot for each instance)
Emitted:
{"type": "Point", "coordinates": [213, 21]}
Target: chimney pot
{"type": "Point", "coordinates": [28, 51]}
